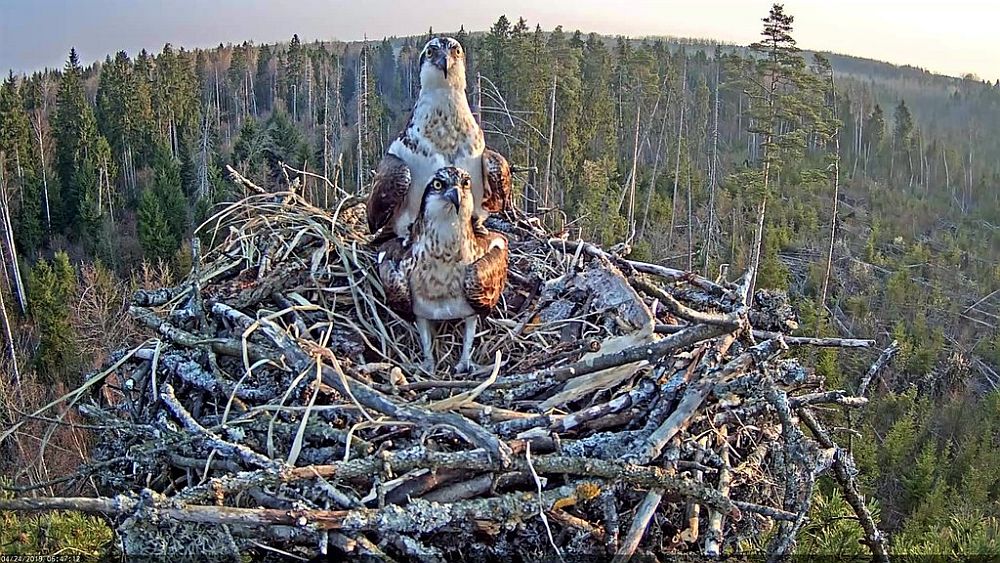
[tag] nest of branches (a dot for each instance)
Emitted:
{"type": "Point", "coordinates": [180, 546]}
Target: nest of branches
{"type": "Point", "coordinates": [277, 406]}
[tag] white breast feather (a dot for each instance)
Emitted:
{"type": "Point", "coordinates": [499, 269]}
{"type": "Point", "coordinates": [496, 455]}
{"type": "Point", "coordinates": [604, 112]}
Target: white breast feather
{"type": "Point", "coordinates": [427, 158]}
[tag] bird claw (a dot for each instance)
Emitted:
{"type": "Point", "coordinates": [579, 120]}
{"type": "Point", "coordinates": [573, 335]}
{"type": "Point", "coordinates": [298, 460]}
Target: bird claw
{"type": "Point", "coordinates": [479, 226]}
{"type": "Point", "coordinates": [427, 366]}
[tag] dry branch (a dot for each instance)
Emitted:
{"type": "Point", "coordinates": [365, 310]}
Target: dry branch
{"type": "Point", "coordinates": [279, 399]}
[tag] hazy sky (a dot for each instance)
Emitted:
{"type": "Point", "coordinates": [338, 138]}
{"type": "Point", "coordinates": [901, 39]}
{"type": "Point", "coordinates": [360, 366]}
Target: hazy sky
{"type": "Point", "coordinates": [952, 37]}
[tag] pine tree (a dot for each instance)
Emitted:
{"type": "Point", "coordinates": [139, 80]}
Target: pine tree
{"type": "Point", "coordinates": [787, 102]}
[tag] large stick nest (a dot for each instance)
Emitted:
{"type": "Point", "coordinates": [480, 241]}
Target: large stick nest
{"type": "Point", "coordinates": [277, 405]}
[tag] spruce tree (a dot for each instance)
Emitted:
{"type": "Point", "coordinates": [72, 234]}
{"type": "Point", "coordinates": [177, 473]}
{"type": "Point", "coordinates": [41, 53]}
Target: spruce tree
{"type": "Point", "coordinates": [168, 190]}
{"type": "Point", "coordinates": [295, 69]}
{"type": "Point", "coordinates": [75, 129]}
{"type": "Point", "coordinates": [155, 237]}
{"type": "Point", "coordinates": [19, 168]}
{"type": "Point", "coordinates": [51, 288]}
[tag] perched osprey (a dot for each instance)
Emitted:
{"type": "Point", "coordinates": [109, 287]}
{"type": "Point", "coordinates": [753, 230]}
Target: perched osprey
{"type": "Point", "coordinates": [441, 132]}
{"type": "Point", "coordinates": [444, 269]}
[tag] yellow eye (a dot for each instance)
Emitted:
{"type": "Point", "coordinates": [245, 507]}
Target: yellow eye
{"type": "Point", "coordinates": [437, 185]}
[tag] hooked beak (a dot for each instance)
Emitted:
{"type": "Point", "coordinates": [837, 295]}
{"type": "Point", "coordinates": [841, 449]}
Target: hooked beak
{"type": "Point", "coordinates": [440, 60]}
{"type": "Point", "coordinates": [452, 195]}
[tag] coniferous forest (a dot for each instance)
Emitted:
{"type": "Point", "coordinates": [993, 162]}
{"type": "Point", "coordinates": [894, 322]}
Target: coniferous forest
{"type": "Point", "coordinates": [870, 191]}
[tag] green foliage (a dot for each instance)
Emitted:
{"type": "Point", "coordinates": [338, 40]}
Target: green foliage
{"type": "Point", "coordinates": [51, 288]}
{"type": "Point", "coordinates": [67, 533]}
{"type": "Point", "coordinates": [773, 273]}
{"type": "Point", "coordinates": [75, 132]}
{"type": "Point", "coordinates": [249, 149]}
{"type": "Point", "coordinates": [915, 244]}
{"type": "Point", "coordinates": [600, 223]}
{"type": "Point", "coordinates": [832, 528]}
{"type": "Point", "coordinates": [157, 240]}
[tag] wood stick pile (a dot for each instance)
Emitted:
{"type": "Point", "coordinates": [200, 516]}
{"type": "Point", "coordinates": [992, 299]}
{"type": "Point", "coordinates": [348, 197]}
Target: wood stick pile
{"type": "Point", "coordinates": [624, 408]}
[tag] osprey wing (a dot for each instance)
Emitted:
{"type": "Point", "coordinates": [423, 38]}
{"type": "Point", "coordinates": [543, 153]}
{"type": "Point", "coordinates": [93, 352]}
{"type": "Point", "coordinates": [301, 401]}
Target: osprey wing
{"type": "Point", "coordinates": [486, 277]}
{"type": "Point", "coordinates": [497, 186]}
{"type": "Point", "coordinates": [394, 273]}
{"type": "Point", "coordinates": [392, 181]}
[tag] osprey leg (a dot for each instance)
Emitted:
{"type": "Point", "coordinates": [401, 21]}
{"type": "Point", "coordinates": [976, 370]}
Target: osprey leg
{"type": "Point", "coordinates": [465, 364]}
{"type": "Point", "coordinates": [424, 330]}
{"type": "Point", "coordinates": [479, 225]}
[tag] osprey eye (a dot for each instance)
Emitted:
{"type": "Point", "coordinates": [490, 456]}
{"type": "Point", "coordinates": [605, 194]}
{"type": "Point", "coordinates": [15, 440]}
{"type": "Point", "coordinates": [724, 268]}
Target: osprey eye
{"type": "Point", "coordinates": [437, 185]}
{"type": "Point", "coordinates": [466, 183]}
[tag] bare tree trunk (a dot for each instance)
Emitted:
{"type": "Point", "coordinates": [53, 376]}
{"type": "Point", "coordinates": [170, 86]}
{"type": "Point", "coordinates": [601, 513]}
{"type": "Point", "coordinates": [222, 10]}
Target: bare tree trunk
{"type": "Point", "coordinates": [548, 159]}
{"type": "Point", "coordinates": [218, 103]}
{"type": "Point", "coordinates": [762, 208]}
{"type": "Point", "coordinates": [968, 198]}
{"type": "Point", "coordinates": [713, 172]}
{"type": "Point", "coordinates": [836, 202]}
{"type": "Point", "coordinates": [860, 134]}
{"type": "Point", "coordinates": [362, 112]}
{"type": "Point", "coordinates": [10, 343]}
{"type": "Point", "coordinates": [326, 135]}
{"type": "Point", "coordinates": [732, 237]}
{"type": "Point", "coordinates": [677, 161]}
{"type": "Point", "coordinates": [892, 158]}
{"type": "Point", "coordinates": [479, 100]}
{"type": "Point", "coordinates": [635, 163]}
{"type": "Point", "coordinates": [947, 175]}
{"type": "Point", "coordinates": [690, 227]}
{"type": "Point", "coordinates": [739, 118]}
{"type": "Point", "coordinates": [203, 168]}
{"type": "Point", "coordinates": [41, 162]}
{"type": "Point", "coordinates": [17, 285]}
{"type": "Point", "coordinates": [656, 167]}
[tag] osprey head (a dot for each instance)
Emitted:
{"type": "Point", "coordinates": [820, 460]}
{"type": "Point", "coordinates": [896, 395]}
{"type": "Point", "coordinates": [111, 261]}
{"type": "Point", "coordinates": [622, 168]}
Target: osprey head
{"type": "Point", "coordinates": [442, 64]}
{"type": "Point", "coordinates": [448, 195]}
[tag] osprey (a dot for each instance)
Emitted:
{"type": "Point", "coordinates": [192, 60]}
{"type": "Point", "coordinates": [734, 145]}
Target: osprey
{"type": "Point", "coordinates": [441, 132]}
{"type": "Point", "coordinates": [444, 269]}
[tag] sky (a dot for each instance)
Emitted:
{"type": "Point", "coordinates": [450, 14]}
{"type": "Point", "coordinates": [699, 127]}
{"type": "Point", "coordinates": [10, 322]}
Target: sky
{"type": "Point", "coordinates": [946, 36]}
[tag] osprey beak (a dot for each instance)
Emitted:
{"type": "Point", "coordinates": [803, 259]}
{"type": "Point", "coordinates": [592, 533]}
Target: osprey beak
{"type": "Point", "coordinates": [452, 195]}
{"type": "Point", "coordinates": [440, 60]}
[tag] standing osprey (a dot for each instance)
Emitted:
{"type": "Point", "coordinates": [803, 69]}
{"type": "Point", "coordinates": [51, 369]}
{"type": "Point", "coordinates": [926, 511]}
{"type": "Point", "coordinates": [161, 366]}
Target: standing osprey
{"type": "Point", "coordinates": [441, 132]}
{"type": "Point", "coordinates": [444, 269]}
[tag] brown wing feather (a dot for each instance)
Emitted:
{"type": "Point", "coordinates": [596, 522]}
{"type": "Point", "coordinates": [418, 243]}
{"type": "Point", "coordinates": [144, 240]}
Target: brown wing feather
{"type": "Point", "coordinates": [485, 278]}
{"type": "Point", "coordinates": [392, 181]}
{"type": "Point", "coordinates": [393, 272]}
{"type": "Point", "coordinates": [497, 187]}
